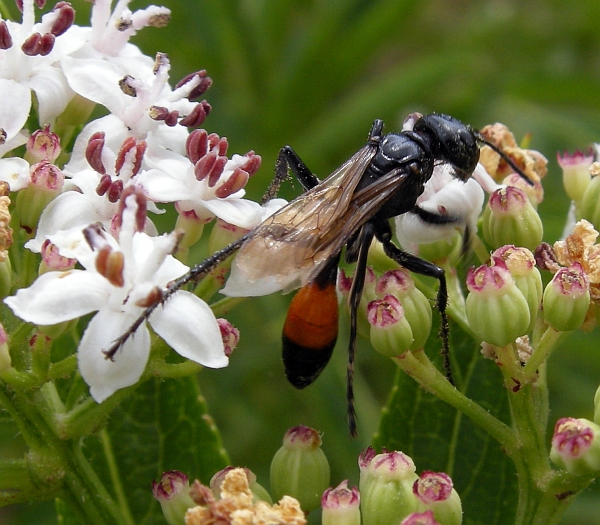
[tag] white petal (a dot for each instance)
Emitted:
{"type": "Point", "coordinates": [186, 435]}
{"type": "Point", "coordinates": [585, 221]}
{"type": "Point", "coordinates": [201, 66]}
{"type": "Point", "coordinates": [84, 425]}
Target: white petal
{"type": "Point", "coordinates": [15, 107]}
{"type": "Point", "coordinates": [188, 325]}
{"type": "Point", "coordinates": [96, 80]}
{"type": "Point", "coordinates": [15, 171]}
{"type": "Point", "coordinates": [60, 296]}
{"type": "Point", "coordinates": [103, 375]}
{"type": "Point", "coordinates": [68, 210]}
{"type": "Point", "coordinates": [52, 91]}
{"type": "Point", "coordinates": [239, 212]}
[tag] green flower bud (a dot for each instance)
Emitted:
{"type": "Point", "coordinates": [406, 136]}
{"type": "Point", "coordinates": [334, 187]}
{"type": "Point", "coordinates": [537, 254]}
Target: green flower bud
{"type": "Point", "coordinates": [5, 360]}
{"type": "Point", "coordinates": [435, 492]}
{"type": "Point", "coordinates": [521, 265]}
{"type": "Point", "coordinates": [391, 334]}
{"type": "Point", "coordinates": [173, 494]}
{"type": "Point", "coordinates": [589, 208]}
{"type": "Point", "coordinates": [576, 446]}
{"type": "Point", "coordinates": [534, 192]}
{"type": "Point", "coordinates": [386, 482]}
{"type": "Point", "coordinates": [341, 505]}
{"type": "Point", "coordinates": [300, 468]}
{"type": "Point", "coordinates": [417, 308]}
{"type": "Point", "coordinates": [510, 218]}
{"type": "Point", "coordinates": [442, 249]}
{"type": "Point", "coordinates": [576, 172]}
{"type": "Point", "coordinates": [497, 310]}
{"type": "Point", "coordinates": [567, 298]}
{"type": "Point", "coordinates": [46, 183]}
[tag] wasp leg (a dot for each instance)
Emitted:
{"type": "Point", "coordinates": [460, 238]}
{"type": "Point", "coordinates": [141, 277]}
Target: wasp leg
{"type": "Point", "coordinates": [365, 236]}
{"type": "Point", "coordinates": [422, 267]}
{"type": "Point", "coordinates": [288, 159]}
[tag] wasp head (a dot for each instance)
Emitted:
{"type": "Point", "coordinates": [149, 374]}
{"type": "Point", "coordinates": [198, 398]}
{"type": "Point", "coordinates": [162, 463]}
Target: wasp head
{"type": "Point", "coordinates": [450, 141]}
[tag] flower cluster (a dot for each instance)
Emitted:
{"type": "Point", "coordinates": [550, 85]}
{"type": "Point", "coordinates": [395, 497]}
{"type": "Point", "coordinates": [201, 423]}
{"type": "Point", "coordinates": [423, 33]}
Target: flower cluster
{"type": "Point", "coordinates": [85, 210]}
{"type": "Point", "coordinates": [390, 491]}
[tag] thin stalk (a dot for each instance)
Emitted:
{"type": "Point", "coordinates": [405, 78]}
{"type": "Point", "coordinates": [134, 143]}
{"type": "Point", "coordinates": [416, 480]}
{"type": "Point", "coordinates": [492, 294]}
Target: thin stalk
{"type": "Point", "coordinates": [427, 375]}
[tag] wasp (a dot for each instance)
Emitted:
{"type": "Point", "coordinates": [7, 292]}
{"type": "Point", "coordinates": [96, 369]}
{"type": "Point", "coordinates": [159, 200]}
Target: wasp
{"type": "Point", "coordinates": [300, 245]}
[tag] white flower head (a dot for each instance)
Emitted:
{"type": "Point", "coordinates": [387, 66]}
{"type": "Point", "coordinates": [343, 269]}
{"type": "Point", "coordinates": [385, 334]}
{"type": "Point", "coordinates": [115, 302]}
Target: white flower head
{"type": "Point", "coordinates": [444, 195]}
{"type": "Point", "coordinates": [120, 279]}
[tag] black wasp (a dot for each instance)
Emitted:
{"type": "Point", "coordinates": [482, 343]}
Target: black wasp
{"type": "Point", "coordinates": [301, 244]}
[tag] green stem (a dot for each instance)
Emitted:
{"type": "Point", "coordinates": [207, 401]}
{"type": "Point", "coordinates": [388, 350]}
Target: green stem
{"type": "Point", "coordinates": [115, 477]}
{"type": "Point", "coordinates": [427, 375]}
{"type": "Point", "coordinates": [542, 350]}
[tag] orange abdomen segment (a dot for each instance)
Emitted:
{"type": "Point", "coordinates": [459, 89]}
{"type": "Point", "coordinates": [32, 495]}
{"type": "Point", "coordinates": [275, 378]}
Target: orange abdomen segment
{"type": "Point", "coordinates": [310, 332]}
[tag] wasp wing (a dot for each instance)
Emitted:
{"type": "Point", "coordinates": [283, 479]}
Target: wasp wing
{"type": "Point", "coordinates": [286, 246]}
{"type": "Point", "coordinates": [364, 206]}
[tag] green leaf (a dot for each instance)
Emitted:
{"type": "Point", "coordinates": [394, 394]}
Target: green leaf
{"type": "Point", "coordinates": [439, 438]}
{"type": "Point", "coordinates": [163, 426]}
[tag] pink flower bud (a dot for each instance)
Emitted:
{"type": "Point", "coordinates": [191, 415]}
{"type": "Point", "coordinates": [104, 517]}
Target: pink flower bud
{"type": "Point", "coordinates": [341, 505]}
{"type": "Point", "coordinates": [43, 144]}
{"type": "Point", "coordinates": [230, 335]}
{"type": "Point", "coordinates": [575, 446]}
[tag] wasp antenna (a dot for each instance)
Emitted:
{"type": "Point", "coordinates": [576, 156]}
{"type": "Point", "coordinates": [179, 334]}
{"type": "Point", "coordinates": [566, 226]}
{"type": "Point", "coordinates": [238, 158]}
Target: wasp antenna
{"type": "Point", "coordinates": [505, 157]}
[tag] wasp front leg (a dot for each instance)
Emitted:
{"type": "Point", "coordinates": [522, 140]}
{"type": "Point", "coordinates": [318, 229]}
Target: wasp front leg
{"type": "Point", "coordinates": [288, 160]}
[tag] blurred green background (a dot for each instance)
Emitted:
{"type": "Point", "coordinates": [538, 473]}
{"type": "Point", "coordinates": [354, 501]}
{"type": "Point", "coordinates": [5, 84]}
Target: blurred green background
{"type": "Point", "coordinates": [314, 74]}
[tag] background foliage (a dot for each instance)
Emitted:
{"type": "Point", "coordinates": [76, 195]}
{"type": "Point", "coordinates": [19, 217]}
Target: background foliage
{"type": "Point", "coordinates": [314, 74]}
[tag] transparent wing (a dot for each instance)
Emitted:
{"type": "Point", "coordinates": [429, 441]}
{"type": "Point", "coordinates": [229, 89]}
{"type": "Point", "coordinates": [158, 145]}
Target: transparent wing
{"type": "Point", "coordinates": [290, 247]}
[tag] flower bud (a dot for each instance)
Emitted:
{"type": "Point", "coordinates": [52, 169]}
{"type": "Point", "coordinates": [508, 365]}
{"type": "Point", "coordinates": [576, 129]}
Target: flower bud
{"type": "Point", "coordinates": [575, 446]}
{"type": "Point", "coordinates": [417, 308]}
{"type": "Point", "coordinates": [5, 360]}
{"type": "Point", "coordinates": [511, 219]}
{"type": "Point", "coordinates": [567, 298]}
{"type": "Point", "coordinates": [46, 183]}
{"type": "Point", "coordinates": [589, 208]}
{"type": "Point", "coordinates": [521, 265]}
{"type": "Point", "coordinates": [497, 310]}
{"type": "Point", "coordinates": [442, 249]}
{"type": "Point", "coordinates": [435, 492]}
{"type": "Point", "coordinates": [576, 172]}
{"type": "Point", "coordinates": [230, 335]}
{"type": "Point", "coordinates": [192, 228]}
{"type": "Point", "coordinates": [259, 493]}
{"type": "Point", "coordinates": [173, 494]}
{"type": "Point", "coordinates": [390, 334]}
{"type": "Point", "coordinates": [43, 144]}
{"type": "Point", "coordinates": [300, 468]}
{"type": "Point", "coordinates": [341, 505]}
{"type": "Point", "coordinates": [386, 482]}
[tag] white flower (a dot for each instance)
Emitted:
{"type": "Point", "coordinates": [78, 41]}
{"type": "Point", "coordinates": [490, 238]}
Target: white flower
{"type": "Point", "coordinates": [444, 195]}
{"type": "Point", "coordinates": [173, 180]}
{"type": "Point", "coordinates": [22, 73]}
{"type": "Point", "coordinates": [119, 279]}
